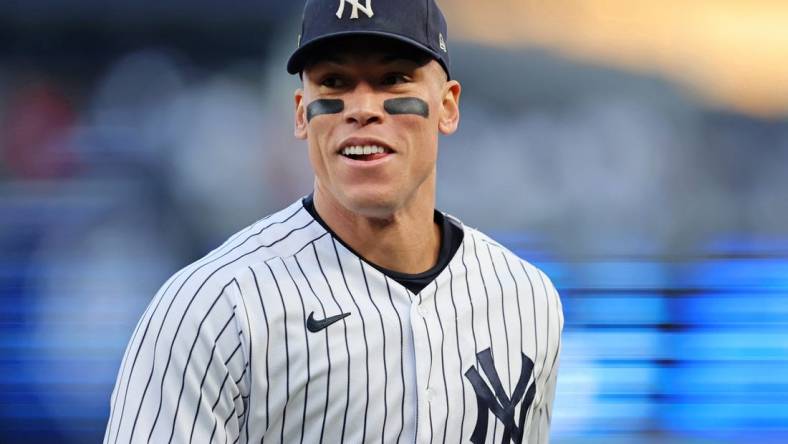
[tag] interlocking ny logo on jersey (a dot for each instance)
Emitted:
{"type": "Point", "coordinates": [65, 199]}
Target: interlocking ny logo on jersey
{"type": "Point", "coordinates": [496, 400]}
{"type": "Point", "coordinates": [367, 9]}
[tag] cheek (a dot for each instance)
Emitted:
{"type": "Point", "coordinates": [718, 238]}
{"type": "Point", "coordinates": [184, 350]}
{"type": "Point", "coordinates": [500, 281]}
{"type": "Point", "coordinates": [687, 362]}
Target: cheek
{"type": "Point", "coordinates": [323, 120]}
{"type": "Point", "coordinates": [316, 157]}
{"type": "Point", "coordinates": [423, 140]}
{"type": "Point", "coordinates": [320, 132]}
{"type": "Point", "coordinates": [318, 141]}
{"type": "Point", "coordinates": [424, 131]}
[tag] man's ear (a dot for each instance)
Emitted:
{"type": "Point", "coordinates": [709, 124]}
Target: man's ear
{"type": "Point", "coordinates": [450, 108]}
{"type": "Point", "coordinates": [300, 115]}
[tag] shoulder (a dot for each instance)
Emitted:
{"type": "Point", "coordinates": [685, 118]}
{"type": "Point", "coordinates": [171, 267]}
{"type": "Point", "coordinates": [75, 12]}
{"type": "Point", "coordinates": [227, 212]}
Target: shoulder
{"type": "Point", "coordinates": [476, 239]}
{"type": "Point", "coordinates": [279, 234]}
{"type": "Point", "coordinates": [198, 314]}
{"type": "Point", "coordinates": [522, 269]}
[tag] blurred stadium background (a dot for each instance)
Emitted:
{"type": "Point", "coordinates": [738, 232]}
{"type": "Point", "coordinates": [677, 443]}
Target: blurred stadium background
{"type": "Point", "coordinates": [636, 150]}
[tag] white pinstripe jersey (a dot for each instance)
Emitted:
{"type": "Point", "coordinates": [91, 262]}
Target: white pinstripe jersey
{"type": "Point", "coordinates": [222, 353]}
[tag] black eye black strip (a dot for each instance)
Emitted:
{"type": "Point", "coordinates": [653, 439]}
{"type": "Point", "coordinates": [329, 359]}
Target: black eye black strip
{"type": "Point", "coordinates": [407, 105]}
{"type": "Point", "coordinates": [324, 106]}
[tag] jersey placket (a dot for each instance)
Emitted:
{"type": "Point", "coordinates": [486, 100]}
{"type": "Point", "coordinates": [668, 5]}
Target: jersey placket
{"type": "Point", "coordinates": [422, 321]}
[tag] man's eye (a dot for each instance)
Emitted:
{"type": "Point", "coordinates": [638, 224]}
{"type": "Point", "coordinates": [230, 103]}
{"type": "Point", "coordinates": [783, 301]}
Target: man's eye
{"type": "Point", "coordinates": [332, 82]}
{"type": "Point", "coordinates": [395, 79]}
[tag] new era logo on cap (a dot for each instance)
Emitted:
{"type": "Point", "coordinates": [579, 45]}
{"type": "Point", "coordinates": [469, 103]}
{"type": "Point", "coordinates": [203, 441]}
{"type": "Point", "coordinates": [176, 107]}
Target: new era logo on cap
{"type": "Point", "coordinates": [356, 7]}
{"type": "Point", "coordinates": [418, 23]}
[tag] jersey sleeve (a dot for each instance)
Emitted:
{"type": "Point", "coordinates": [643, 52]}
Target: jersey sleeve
{"type": "Point", "coordinates": [183, 375]}
{"type": "Point", "coordinates": [540, 430]}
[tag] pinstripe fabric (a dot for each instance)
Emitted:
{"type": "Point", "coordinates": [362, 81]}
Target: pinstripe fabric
{"type": "Point", "coordinates": [222, 354]}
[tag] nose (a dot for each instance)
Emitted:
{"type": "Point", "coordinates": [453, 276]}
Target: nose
{"type": "Point", "coordinates": [363, 107]}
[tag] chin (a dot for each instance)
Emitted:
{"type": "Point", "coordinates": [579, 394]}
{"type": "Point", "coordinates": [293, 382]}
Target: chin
{"type": "Point", "coordinates": [371, 203]}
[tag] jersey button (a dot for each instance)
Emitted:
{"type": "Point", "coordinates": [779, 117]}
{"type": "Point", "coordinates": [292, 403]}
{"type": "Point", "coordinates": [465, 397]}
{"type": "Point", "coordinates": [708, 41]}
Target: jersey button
{"type": "Point", "coordinates": [421, 311]}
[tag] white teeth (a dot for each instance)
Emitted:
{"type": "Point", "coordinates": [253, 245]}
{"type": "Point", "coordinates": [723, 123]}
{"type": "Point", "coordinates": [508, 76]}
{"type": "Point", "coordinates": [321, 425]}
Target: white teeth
{"type": "Point", "coordinates": [362, 150]}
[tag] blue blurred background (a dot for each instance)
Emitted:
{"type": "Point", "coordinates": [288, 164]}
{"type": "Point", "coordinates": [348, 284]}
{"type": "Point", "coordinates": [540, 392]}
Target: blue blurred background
{"type": "Point", "coordinates": [636, 151]}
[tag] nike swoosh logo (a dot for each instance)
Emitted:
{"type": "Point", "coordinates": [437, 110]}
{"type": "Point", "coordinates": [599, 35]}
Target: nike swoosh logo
{"type": "Point", "coordinates": [315, 325]}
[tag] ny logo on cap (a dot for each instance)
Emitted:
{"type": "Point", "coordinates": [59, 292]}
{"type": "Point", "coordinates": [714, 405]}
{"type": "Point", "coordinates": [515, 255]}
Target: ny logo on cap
{"type": "Point", "coordinates": [367, 9]}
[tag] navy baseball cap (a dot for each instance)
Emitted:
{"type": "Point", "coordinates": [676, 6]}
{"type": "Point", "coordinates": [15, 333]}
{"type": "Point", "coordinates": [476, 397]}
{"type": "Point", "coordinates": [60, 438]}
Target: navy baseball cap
{"type": "Point", "coordinates": [419, 23]}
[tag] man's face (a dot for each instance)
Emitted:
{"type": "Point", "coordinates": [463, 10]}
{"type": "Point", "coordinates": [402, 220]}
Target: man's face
{"type": "Point", "coordinates": [378, 99]}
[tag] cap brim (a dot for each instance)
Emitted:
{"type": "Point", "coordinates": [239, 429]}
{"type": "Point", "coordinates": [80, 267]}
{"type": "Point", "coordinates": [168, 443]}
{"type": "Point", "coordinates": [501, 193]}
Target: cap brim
{"type": "Point", "coordinates": [299, 58]}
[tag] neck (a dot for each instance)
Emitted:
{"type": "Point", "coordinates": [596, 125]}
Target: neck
{"type": "Point", "coordinates": [407, 240]}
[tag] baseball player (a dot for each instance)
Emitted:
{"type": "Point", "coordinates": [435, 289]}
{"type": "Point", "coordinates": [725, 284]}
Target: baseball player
{"type": "Point", "coordinates": [359, 313]}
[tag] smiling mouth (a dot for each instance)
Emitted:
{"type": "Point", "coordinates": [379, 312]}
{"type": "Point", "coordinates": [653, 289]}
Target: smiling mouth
{"type": "Point", "coordinates": [365, 152]}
